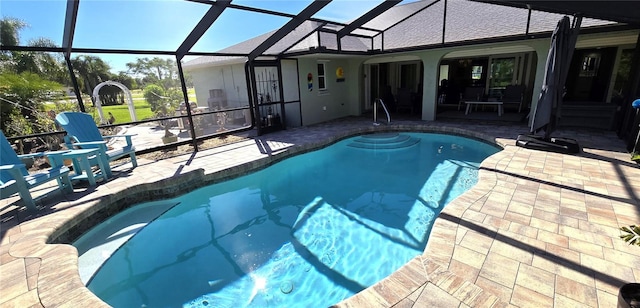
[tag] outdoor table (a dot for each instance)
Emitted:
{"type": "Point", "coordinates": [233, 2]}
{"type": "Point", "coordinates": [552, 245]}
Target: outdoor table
{"type": "Point", "coordinates": [83, 160]}
{"type": "Point", "coordinates": [496, 103]}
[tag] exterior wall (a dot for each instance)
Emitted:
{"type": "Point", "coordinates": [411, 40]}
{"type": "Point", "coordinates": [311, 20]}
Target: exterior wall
{"type": "Point", "coordinates": [356, 94]}
{"type": "Point", "coordinates": [346, 98]}
{"type": "Point", "coordinates": [340, 99]}
{"type": "Point", "coordinates": [230, 78]}
{"type": "Point", "coordinates": [431, 61]}
{"type": "Point", "coordinates": [290, 89]}
{"type": "Point", "coordinates": [291, 92]}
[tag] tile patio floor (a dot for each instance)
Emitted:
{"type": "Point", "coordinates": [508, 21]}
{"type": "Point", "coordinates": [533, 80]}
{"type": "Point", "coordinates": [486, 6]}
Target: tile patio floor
{"type": "Point", "coordinates": [539, 230]}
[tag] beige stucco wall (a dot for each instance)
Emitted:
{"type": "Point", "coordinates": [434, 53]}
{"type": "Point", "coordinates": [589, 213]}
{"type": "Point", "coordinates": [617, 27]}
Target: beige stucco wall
{"type": "Point", "coordinates": [230, 78]}
{"type": "Point", "coordinates": [347, 98]}
{"type": "Point", "coordinates": [540, 47]}
{"type": "Point", "coordinates": [431, 60]}
{"type": "Point", "coordinates": [340, 99]}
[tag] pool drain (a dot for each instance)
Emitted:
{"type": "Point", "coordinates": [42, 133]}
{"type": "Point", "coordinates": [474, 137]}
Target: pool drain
{"type": "Point", "coordinates": [286, 287]}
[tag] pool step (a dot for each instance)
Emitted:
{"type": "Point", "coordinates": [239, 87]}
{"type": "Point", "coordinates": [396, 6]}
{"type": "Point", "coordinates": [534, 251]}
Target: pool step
{"type": "Point", "coordinates": [384, 141]}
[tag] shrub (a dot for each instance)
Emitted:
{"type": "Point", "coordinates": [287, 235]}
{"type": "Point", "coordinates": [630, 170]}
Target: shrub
{"type": "Point", "coordinates": [155, 96]}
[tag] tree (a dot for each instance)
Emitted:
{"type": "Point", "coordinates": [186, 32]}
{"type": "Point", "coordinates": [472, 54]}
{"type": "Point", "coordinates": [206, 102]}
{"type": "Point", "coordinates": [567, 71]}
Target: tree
{"type": "Point", "coordinates": [10, 31]}
{"type": "Point", "coordinates": [188, 80]}
{"type": "Point", "coordinates": [48, 64]}
{"type": "Point", "coordinates": [43, 63]}
{"type": "Point", "coordinates": [21, 101]}
{"type": "Point", "coordinates": [156, 70]}
{"type": "Point", "coordinates": [162, 101]}
{"type": "Point", "coordinates": [126, 80]}
{"type": "Point", "coordinates": [27, 81]}
{"type": "Point", "coordinates": [112, 95]}
{"type": "Point", "coordinates": [91, 71]}
{"type": "Point", "coordinates": [9, 36]}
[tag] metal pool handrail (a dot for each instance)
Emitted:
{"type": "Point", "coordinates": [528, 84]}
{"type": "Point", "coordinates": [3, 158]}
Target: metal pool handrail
{"type": "Point", "coordinates": [375, 111]}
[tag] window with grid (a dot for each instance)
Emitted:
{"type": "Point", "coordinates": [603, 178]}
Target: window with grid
{"type": "Point", "coordinates": [322, 79]}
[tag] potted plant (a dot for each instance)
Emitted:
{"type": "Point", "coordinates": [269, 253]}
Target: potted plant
{"type": "Point", "coordinates": [168, 137]}
{"type": "Point", "coordinates": [222, 121]}
{"type": "Point", "coordinates": [197, 127]}
{"type": "Point", "coordinates": [629, 294]}
{"type": "Point", "coordinates": [198, 124]}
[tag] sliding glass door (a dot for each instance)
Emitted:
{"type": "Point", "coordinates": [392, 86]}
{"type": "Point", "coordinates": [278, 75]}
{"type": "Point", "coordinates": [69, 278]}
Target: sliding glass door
{"type": "Point", "coordinates": [502, 73]}
{"type": "Point", "coordinates": [508, 70]}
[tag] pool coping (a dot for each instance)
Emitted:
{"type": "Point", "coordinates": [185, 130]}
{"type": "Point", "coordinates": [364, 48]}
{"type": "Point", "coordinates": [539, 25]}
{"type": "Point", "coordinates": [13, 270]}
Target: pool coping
{"type": "Point", "coordinates": [58, 280]}
{"type": "Point", "coordinates": [52, 273]}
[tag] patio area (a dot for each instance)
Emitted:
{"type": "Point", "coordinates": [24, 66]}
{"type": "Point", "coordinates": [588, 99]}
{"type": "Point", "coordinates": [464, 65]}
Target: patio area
{"type": "Point", "coordinates": [539, 229]}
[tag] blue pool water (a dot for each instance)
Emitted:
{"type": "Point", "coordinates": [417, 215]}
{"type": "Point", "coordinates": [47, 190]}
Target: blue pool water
{"type": "Point", "coordinates": [309, 231]}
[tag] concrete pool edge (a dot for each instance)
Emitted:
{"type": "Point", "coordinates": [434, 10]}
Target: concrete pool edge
{"type": "Point", "coordinates": [58, 281]}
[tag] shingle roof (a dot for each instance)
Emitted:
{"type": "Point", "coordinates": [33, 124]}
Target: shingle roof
{"type": "Point", "coordinates": [396, 14]}
{"type": "Point", "coordinates": [247, 46]}
{"type": "Point", "coordinates": [205, 61]}
{"type": "Point", "coordinates": [465, 20]}
{"type": "Point", "coordinates": [468, 20]}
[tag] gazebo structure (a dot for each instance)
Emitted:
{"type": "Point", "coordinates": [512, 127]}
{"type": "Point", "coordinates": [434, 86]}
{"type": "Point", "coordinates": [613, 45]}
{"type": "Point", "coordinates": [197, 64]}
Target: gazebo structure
{"type": "Point", "coordinates": [125, 90]}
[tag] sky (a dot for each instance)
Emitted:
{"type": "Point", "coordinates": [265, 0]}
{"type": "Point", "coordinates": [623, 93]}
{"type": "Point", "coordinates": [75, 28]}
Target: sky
{"type": "Point", "coordinates": [160, 24]}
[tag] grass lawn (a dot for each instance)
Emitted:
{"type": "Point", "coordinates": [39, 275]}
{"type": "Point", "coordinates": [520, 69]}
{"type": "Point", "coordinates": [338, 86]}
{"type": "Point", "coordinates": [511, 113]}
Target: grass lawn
{"type": "Point", "coordinates": [143, 109]}
{"type": "Point", "coordinates": [138, 94]}
{"type": "Point", "coordinates": [121, 112]}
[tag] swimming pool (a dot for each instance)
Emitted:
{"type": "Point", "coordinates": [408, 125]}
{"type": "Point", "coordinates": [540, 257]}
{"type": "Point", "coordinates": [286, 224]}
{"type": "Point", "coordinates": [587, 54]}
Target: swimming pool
{"type": "Point", "coordinates": [308, 231]}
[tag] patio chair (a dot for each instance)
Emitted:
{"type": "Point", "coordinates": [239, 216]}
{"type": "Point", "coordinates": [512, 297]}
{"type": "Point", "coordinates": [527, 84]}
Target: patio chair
{"type": "Point", "coordinates": [471, 94]}
{"type": "Point", "coordinates": [403, 100]}
{"type": "Point", "coordinates": [83, 133]}
{"type": "Point", "coordinates": [15, 178]}
{"type": "Point", "coordinates": [514, 94]}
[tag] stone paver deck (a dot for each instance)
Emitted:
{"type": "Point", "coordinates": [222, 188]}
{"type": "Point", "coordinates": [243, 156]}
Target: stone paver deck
{"type": "Point", "coordinates": [540, 229]}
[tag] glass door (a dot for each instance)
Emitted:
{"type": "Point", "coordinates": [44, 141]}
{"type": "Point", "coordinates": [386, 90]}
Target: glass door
{"type": "Point", "coordinates": [502, 73]}
{"type": "Point", "coordinates": [373, 86]}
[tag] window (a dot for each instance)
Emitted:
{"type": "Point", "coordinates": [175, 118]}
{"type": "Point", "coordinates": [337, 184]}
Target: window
{"type": "Point", "coordinates": [623, 73]}
{"type": "Point", "coordinates": [590, 65]}
{"type": "Point", "coordinates": [444, 72]}
{"type": "Point", "coordinates": [322, 79]}
{"type": "Point", "coordinates": [476, 72]}
{"type": "Point", "coordinates": [409, 76]}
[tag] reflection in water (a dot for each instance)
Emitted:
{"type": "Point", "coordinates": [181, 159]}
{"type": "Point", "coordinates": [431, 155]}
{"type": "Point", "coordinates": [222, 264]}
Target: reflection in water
{"type": "Point", "coordinates": [309, 231]}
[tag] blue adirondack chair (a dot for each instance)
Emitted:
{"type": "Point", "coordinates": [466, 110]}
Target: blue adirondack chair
{"type": "Point", "coordinates": [14, 177]}
{"type": "Point", "coordinates": [83, 133]}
